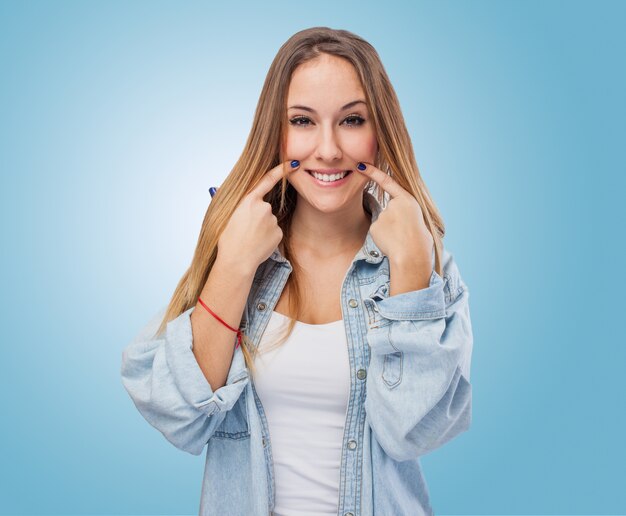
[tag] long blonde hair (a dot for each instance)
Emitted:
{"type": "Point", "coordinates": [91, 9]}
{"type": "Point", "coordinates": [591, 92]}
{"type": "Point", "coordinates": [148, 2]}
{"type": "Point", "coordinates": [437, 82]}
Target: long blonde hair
{"type": "Point", "coordinates": [263, 151]}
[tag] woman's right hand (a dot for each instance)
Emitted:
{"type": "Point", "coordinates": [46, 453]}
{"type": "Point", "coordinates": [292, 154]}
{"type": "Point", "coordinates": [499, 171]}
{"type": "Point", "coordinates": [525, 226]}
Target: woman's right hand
{"type": "Point", "coordinates": [252, 233]}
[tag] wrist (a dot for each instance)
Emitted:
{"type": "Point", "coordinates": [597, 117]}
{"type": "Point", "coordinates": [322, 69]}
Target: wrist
{"type": "Point", "coordinates": [235, 267]}
{"type": "Point", "coordinates": [408, 275]}
{"type": "Point", "coordinates": [412, 260]}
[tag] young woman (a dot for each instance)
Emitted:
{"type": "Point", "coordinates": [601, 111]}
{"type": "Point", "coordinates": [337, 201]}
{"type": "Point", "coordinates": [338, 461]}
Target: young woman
{"type": "Point", "coordinates": [320, 342]}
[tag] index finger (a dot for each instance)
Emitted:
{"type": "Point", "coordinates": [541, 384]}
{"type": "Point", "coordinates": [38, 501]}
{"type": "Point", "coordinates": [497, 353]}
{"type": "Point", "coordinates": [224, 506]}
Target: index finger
{"type": "Point", "coordinates": [385, 181]}
{"type": "Point", "coordinates": [272, 177]}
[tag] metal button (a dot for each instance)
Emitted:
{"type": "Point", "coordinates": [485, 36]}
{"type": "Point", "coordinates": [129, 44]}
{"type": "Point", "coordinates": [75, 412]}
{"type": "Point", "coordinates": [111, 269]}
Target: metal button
{"type": "Point", "coordinates": [261, 306]}
{"type": "Point", "coordinates": [353, 303]}
{"type": "Point", "coordinates": [374, 254]}
{"type": "Point", "coordinates": [348, 514]}
{"type": "Point", "coordinates": [352, 444]}
{"type": "Point", "coordinates": [361, 374]}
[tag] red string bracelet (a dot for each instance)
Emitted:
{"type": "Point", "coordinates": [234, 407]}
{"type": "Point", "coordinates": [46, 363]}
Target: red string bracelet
{"type": "Point", "coordinates": [220, 320]}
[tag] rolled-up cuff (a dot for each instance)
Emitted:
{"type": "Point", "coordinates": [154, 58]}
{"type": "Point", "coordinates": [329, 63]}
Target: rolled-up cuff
{"type": "Point", "coordinates": [188, 375]}
{"type": "Point", "coordinates": [426, 303]}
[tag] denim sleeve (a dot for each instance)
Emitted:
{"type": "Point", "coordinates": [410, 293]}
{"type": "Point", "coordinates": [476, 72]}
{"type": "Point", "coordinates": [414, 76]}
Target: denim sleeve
{"type": "Point", "coordinates": [418, 392]}
{"type": "Point", "coordinates": [169, 389]}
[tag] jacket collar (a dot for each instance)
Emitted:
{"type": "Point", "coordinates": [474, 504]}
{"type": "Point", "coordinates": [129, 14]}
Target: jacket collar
{"type": "Point", "coordinates": [369, 251]}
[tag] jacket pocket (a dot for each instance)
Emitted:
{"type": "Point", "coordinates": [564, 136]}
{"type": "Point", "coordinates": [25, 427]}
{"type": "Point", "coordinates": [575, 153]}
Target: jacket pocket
{"type": "Point", "coordinates": [392, 368]}
{"type": "Point", "coordinates": [235, 424]}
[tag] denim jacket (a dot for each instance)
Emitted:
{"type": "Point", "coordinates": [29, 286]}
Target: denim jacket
{"type": "Point", "coordinates": [410, 391]}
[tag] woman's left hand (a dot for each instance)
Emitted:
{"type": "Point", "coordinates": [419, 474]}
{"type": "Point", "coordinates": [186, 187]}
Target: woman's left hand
{"type": "Point", "coordinates": [399, 231]}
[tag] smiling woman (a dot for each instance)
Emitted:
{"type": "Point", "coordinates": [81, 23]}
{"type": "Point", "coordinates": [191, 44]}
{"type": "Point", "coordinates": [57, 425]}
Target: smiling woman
{"type": "Point", "coordinates": [329, 131]}
{"type": "Point", "coordinates": [357, 340]}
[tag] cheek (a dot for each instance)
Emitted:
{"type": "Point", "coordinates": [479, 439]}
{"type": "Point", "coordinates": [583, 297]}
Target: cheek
{"type": "Point", "coordinates": [299, 146]}
{"type": "Point", "coordinates": [369, 145]}
{"type": "Point", "coordinates": [361, 148]}
{"type": "Point", "coordinates": [373, 147]}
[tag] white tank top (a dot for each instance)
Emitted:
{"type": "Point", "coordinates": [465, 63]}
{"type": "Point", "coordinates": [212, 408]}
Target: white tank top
{"type": "Point", "coordinates": [304, 386]}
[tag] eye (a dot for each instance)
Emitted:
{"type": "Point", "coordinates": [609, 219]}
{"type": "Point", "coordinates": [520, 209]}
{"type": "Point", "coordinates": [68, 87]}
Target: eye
{"type": "Point", "coordinates": [359, 120]}
{"type": "Point", "coordinates": [295, 120]}
{"type": "Point", "coordinates": [351, 121]}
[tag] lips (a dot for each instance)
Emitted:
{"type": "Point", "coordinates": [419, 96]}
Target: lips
{"type": "Point", "coordinates": [329, 173]}
{"type": "Point", "coordinates": [330, 184]}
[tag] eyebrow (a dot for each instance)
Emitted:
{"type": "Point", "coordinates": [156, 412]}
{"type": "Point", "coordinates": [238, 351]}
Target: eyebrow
{"type": "Point", "coordinates": [348, 105]}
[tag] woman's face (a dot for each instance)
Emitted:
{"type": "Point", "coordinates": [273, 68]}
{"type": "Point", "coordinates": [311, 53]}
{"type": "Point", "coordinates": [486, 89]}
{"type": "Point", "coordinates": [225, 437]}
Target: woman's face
{"type": "Point", "coordinates": [328, 130]}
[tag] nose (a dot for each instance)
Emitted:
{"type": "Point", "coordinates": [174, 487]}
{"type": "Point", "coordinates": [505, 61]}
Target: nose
{"type": "Point", "coordinates": [328, 147]}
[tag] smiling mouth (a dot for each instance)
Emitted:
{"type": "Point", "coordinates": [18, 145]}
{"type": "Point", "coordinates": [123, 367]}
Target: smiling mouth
{"type": "Point", "coordinates": [326, 177]}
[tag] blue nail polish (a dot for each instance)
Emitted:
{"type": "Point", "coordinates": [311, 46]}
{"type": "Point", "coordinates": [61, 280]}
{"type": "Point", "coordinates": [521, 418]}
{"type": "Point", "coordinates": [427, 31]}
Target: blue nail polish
{"type": "Point", "coordinates": [361, 166]}
{"type": "Point", "coordinates": [294, 163]}
{"type": "Point", "coordinates": [212, 191]}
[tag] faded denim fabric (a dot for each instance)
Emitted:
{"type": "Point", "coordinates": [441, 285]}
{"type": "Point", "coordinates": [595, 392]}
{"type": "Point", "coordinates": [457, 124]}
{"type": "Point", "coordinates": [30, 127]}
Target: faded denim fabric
{"type": "Point", "coordinates": [410, 357]}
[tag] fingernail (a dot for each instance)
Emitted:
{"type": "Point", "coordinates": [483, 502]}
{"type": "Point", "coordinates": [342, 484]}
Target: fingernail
{"type": "Point", "coordinates": [361, 166]}
{"type": "Point", "coordinates": [294, 163]}
{"type": "Point", "coordinates": [212, 191]}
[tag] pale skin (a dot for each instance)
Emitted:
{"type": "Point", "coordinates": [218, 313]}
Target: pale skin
{"type": "Point", "coordinates": [330, 224]}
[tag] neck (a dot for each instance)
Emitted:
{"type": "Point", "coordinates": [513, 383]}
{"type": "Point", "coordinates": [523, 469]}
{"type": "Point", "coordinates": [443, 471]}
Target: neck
{"type": "Point", "coordinates": [329, 235]}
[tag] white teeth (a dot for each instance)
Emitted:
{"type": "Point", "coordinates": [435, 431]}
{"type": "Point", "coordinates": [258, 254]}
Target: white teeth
{"type": "Point", "coordinates": [328, 178]}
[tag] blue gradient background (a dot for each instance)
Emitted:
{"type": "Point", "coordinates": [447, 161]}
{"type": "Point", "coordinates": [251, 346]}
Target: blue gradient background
{"type": "Point", "coordinates": [115, 119]}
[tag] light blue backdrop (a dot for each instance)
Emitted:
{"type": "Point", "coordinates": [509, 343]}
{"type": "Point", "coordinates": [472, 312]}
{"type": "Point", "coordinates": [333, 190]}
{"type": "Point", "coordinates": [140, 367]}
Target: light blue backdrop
{"type": "Point", "coordinates": [116, 117]}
